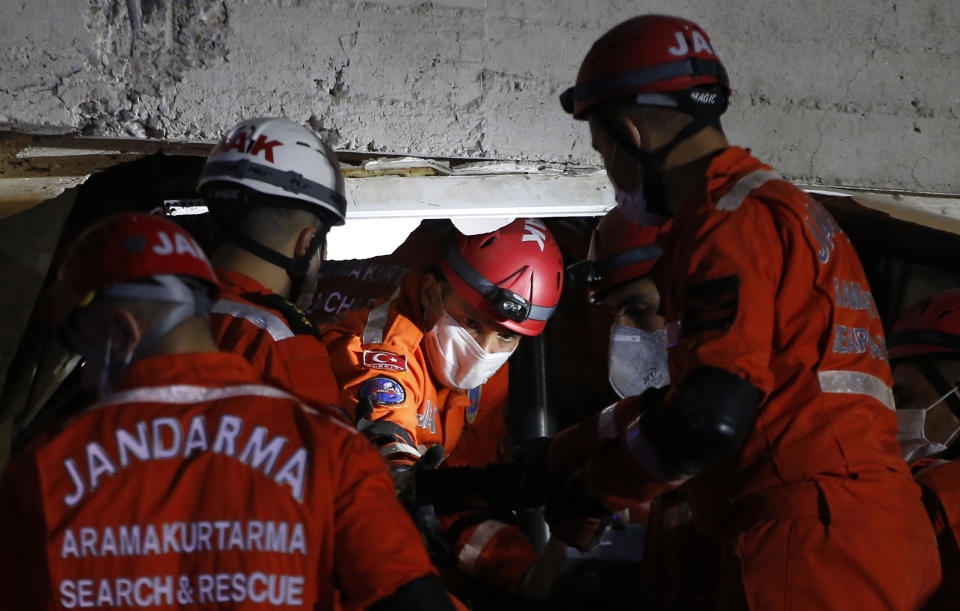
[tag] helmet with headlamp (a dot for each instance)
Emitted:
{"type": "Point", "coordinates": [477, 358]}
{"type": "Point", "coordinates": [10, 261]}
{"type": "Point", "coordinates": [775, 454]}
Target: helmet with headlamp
{"type": "Point", "coordinates": [514, 275]}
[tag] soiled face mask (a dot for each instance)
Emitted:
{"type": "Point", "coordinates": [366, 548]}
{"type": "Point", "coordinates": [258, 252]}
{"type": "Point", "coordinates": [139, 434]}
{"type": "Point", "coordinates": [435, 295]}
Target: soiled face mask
{"type": "Point", "coordinates": [634, 204]}
{"type": "Point", "coordinates": [456, 359]}
{"type": "Point", "coordinates": [638, 360]}
{"type": "Point", "coordinates": [912, 435]}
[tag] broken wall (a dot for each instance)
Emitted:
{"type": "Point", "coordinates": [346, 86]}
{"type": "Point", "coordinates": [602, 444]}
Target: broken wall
{"type": "Point", "coordinates": [860, 94]}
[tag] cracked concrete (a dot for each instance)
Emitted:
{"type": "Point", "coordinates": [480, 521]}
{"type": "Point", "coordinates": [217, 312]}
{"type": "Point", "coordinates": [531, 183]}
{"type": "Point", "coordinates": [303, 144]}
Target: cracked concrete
{"type": "Point", "coordinates": [859, 94]}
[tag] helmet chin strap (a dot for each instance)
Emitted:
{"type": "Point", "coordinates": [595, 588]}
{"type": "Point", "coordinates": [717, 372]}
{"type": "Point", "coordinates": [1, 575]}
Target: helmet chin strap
{"type": "Point", "coordinates": [188, 300]}
{"type": "Point", "coordinates": [296, 267]}
{"type": "Point", "coordinates": [652, 162]}
{"type": "Point", "coordinates": [943, 387]}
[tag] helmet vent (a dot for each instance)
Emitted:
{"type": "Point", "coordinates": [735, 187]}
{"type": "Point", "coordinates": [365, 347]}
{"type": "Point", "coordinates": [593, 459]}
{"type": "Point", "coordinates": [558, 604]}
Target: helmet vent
{"type": "Point", "coordinates": [489, 241]}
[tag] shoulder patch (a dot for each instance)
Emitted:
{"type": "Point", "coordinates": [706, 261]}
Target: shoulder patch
{"type": "Point", "coordinates": [382, 390]}
{"type": "Point", "coordinates": [710, 305]}
{"type": "Point", "coordinates": [474, 395]}
{"type": "Point", "coordinates": [387, 361]}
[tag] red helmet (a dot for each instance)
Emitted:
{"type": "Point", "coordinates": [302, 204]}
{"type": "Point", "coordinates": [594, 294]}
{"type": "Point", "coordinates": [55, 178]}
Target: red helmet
{"type": "Point", "coordinates": [620, 251]}
{"type": "Point", "coordinates": [513, 274]}
{"type": "Point", "coordinates": [931, 326]}
{"type": "Point", "coordinates": [652, 58]}
{"type": "Point", "coordinates": [125, 248]}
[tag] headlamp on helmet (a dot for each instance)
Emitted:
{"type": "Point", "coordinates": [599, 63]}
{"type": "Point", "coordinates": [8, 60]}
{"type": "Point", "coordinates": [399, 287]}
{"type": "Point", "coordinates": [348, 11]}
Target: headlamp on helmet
{"type": "Point", "coordinates": [513, 274]}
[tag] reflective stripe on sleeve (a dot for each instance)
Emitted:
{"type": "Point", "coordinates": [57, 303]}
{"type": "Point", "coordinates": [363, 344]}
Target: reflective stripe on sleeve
{"type": "Point", "coordinates": [274, 325]}
{"type": "Point", "coordinates": [735, 196]}
{"type": "Point", "coordinates": [467, 559]}
{"type": "Point", "coordinates": [856, 383]}
{"type": "Point", "coordinates": [377, 320]}
{"type": "Point", "coordinates": [607, 423]}
{"type": "Point", "coordinates": [399, 448]}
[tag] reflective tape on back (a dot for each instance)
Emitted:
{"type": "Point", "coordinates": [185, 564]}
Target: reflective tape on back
{"type": "Point", "coordinates": [377, 321]}
{"type": "Point", "coordinates": [274, 325]}
{"type": "Point", "coordinates": [182, 394]}
{"type": "Point", "coordinates": [467, 559]}
{"type": "Point", "coordinates": [735, 196]}
{"type": "Point", "coordinates": [856, 383]}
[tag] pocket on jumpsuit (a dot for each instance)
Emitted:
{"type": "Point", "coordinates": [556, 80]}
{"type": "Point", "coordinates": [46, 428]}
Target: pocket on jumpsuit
{"type": "Point", "coordinates": [755, 574]}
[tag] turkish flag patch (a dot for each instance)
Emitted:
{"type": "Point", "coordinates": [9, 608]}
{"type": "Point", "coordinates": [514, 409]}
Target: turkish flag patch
{"type": "Point", "coordinates": [387, 361]}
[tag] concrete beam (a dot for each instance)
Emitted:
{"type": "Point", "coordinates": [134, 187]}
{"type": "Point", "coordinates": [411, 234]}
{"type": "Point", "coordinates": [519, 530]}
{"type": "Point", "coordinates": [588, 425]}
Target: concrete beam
{"type": "Point", "coordinates": [853, 94]}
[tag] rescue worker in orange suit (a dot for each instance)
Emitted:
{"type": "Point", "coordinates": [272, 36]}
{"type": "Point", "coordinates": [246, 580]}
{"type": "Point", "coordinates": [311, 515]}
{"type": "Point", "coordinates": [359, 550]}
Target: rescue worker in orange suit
{"type": "Point", "coordinates": [343, 286]}
{"type": "Point", "coordinates": [414, 365]}
{"type": "Point", "coordinates": [273, 189]}
{"type": "Point", "coordinates": [617, 275]}
{"type": "Point", "coordinates": [189, 484]}
{"type": "Point", "coordinates": [780, 411]}
{"type": "Point", "coordinates": [925, 353]}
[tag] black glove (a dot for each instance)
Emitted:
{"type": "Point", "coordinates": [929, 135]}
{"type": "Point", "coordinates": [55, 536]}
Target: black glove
{"type": "Point", "coordinates": [537, 481]}
{"type": "Point", "coordinates": [405, 478]}
{"type": "Point", "coordinates": [575, 516]}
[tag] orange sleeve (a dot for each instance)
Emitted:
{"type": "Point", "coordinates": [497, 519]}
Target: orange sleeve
{"type": "Point", "coordinates": [725, 296]}
{"type": "Point", "coordinates": [377, 547]}
{"type": "Point", "coordinates": [495, 553]}
{"type": "Point", "coordinates": [574, 446]}
{"type": "Point", "coordinates": [393, 374]}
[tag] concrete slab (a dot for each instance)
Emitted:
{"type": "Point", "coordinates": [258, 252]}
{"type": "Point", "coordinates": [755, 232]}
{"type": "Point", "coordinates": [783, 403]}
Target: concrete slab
{"type": "Point", "coordinates": [858, 94]}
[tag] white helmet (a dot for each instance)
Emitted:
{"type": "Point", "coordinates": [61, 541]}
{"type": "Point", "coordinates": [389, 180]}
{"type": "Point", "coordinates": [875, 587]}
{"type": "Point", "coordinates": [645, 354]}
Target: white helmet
{"type": "Point", "coordinates": [276, 157]}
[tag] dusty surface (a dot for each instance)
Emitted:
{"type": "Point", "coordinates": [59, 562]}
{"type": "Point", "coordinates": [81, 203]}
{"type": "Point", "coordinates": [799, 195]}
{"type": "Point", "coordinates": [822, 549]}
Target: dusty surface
{"type": "Point", "coordinates": [858, 94]}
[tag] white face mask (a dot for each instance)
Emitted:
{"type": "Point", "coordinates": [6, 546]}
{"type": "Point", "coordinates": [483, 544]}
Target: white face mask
{"type": "Point", "coordinates": [456, 359]}
{"type": "Point", "coordinates": [912, 435]}
{"type": "Point", "coordinates": [638, 360]}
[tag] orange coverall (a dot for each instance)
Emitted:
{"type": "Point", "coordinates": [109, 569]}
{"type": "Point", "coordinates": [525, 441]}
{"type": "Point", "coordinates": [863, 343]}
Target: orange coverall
{"type": "Point", "coordinates": [817, 510]}
{"type": "Point", "coordinates": [376, 353]}
{"type": "Point", "coordinates": [294, 359]}
{"type": "Point", "coordinates": [196, 486]}
{"type": "Point", "coordinates": [940, 481]}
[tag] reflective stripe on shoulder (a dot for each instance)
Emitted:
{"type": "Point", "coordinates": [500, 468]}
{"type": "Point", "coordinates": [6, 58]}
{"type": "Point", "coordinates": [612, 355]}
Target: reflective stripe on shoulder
{"type": "Point", "coordinates": [735, 196]}
{"type": "Point", "coordinates": [377, 320]}
{"type": "Point", "coordinates": [856, 383]}
{"type": "Point", "coordinates": [467, 559]}
{"type": "Point", "coordinates": [272, 324]}
{"type": "Point", "coordinates": [182, 394]}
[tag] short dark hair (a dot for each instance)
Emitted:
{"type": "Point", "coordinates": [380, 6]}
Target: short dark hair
{"type": "Point", "coordinates": [274, 226]}
{"type": "Point", "coordinates": [267, 219]}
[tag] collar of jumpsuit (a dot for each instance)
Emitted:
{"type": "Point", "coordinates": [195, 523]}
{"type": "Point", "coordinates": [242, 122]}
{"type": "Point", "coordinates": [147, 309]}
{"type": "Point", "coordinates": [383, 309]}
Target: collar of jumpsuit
{"type": "Point", "coordinates": [716, 177]}
{"type": "Point", "coordinates": [235, 283]}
